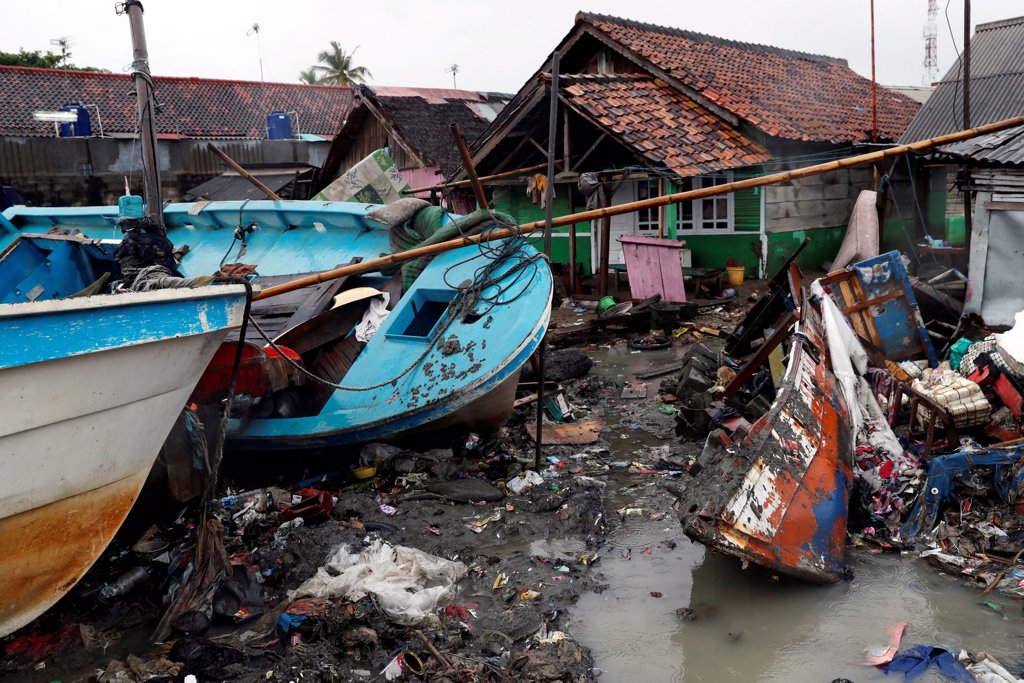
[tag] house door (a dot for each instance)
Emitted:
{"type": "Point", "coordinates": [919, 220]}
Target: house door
{"type": "Point", "coordinates": [643, 223]}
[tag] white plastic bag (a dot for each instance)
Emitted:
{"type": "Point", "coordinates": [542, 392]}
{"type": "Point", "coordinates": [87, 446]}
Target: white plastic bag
{"type": "Point", "coordinates": [407, 583]}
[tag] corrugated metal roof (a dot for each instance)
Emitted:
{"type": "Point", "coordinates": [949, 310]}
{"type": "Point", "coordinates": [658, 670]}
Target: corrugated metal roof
{"type": "Point", "coordinates": [997, 84]}
{"type": "Point", "coordinates": [1004, 147]}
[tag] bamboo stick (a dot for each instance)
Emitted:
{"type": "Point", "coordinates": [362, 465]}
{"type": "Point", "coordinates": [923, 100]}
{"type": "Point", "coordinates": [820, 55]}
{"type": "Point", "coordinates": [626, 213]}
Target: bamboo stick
{"type": "Point", "coordinates": [372, 265]}
{"type": "Point", "coordinates": [242, 172]}
{"type": "Point", "coordinates": [503, 174]}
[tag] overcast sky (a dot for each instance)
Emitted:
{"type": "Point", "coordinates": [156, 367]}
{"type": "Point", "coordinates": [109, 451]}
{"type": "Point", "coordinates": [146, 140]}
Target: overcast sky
{"type": "Point", "coordinates": [497, 45]}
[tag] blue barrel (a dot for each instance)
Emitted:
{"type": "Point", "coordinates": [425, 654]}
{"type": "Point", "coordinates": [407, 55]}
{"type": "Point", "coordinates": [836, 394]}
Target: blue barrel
{"type": "Point", "coordinates": [279, 126]}
{"type": "Point", "coordinates": [81, 129]}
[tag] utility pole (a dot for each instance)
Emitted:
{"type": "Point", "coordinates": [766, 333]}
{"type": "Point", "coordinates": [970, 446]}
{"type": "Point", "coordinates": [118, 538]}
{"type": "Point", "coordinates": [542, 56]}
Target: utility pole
{"type": "Point", "coordinates": [968, 218]}
{"type": "Point", "coordinates": [931, 44]}
{"type": "Point", "coordinates": [146, 103]}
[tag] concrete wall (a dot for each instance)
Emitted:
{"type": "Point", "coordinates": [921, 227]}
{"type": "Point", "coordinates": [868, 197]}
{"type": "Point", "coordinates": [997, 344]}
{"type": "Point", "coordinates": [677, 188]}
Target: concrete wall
{"type": "Point", "coordinates": [86, 171]}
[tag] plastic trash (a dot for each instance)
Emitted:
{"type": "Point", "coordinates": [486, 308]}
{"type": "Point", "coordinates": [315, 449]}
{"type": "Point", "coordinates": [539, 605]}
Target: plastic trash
{"type": "Point", "coordinates": [524, 481]}
{"type": "Point", "coordinates": [408, 584]}
{"type": "Point", "coordinates": [124, 585]}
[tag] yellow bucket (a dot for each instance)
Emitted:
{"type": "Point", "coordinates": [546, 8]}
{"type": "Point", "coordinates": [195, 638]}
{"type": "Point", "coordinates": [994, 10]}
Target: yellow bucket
{"type": "Point", "coordinates": [735, 274]}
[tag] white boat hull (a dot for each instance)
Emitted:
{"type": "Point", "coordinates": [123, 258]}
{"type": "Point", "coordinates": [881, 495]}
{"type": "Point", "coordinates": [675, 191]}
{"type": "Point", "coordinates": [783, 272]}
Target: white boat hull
{"type": "Point", "coordinates": [78, 436]}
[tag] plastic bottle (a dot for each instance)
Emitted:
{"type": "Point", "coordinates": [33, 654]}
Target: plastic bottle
{"type": "Point", "coordinates": [124, 584]}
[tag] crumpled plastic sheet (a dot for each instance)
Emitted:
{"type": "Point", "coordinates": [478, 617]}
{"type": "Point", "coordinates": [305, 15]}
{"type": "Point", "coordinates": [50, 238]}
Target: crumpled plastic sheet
{"type": "Point", "coordinates": [407, 583]}
{"type": "Point", "coordinates": [945, 470]}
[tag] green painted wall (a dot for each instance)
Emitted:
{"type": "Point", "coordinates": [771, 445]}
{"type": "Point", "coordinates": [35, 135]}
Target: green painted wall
{"type": "Point", "coordinates": [712, 251]}
{"type": "Point", "coordinates": [513, 201]}
{"type": "Point", "coordinates": [823, 247]}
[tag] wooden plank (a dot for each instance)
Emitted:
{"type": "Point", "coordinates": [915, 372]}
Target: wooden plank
{"type": "Point", "coordinates": [899, 294]}
{"type": "Point", "coordinates": [761, 356]}
{"type": "Point", "coordinates": [869, 321]}
{"type": "Point", "coordinates": [568, 434]}
{"type": "Point", "coordinates": [658, 372]}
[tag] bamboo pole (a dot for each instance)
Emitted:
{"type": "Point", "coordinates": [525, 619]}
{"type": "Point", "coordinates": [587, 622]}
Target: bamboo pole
{"type": "Point", "coordinates": [372, 265]}
{"type": "Point", "coordinates": [503, 174]}
{"type": "Point", "coordinates": [467, 164]}
{"type": "Point", "coordinates": [242, 172]}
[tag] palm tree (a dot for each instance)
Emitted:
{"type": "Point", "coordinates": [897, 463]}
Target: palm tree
{"type": "Point", "coordinates": [336, 68]}
{"type": "Point", "coordinates": [308, 76]}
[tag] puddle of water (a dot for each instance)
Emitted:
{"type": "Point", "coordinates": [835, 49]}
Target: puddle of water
{"type": "Point", "coordinates": [752, 628]}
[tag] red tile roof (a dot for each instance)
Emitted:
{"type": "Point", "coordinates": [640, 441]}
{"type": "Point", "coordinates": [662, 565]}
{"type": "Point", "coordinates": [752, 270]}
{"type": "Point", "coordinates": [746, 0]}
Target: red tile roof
{"type": "Point", "coordinates": [192, 107]}
{"type": "Point", "coordinates": [783, 93]}
{"type": "Point", "coordinates": [661, 124]}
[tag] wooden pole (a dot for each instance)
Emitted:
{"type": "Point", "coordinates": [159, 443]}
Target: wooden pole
{"type": "Point", "coordinates": [496, 176]}
{"type": "Point", "coordinates": [242, 172]}
{"type": "Point", "coordinates": [549, 209]}
{"type": "Point", "coordinates": [467, 164]}
{"type": "Point", "coordinates": [874, 83]}
{"type": "Point", "coordinates": [373, 265]}
{"type": "Point", "coordinates": [604, 248]}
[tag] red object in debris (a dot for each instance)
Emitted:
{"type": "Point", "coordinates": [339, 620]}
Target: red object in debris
{"type": "Point", "coordinates": [1009, 395]}
{"type": "Point", "coordinates": [31, 648]}
{"type": "Point", "coordinates": [982, 376]}
{"type": "Point", "coordinates": [261, 372]}
{"type": "Point", "coordinates": [458, 612]}
{"type": "Point", "coordinates": [885, 471]}
{"type": "Point", "coordinates": [316, 505]}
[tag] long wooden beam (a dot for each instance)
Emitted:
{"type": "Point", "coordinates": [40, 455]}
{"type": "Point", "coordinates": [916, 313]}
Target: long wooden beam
{"type": "Point", "coordinates": [373, 265]}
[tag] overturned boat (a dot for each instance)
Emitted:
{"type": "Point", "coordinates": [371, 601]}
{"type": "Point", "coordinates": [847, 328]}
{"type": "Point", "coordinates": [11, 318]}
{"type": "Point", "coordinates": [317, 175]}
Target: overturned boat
{"type": "Point", "coordinates": [446, 342]}
{"type": "Point", "coordinates": [776, 494]}
{"type": "Point", "coordinates": [92, 385]}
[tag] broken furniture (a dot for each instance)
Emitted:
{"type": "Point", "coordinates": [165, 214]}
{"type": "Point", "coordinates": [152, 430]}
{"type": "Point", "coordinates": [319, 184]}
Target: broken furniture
{"type": "Point", "coordinates": [876, 297]}
{"type": "Point", "coordinates": [705, 281]}
{"type": "Point", "coordinates": [925, 416]}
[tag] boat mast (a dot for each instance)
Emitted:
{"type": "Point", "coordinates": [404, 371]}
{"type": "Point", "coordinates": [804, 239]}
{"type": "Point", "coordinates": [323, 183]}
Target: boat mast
{"type": "Point", "coordinates": [146, 104]}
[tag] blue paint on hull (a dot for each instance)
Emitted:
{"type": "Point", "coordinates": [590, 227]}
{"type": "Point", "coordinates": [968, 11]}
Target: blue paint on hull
{"type": "Point", "coordinates": [435, 377]}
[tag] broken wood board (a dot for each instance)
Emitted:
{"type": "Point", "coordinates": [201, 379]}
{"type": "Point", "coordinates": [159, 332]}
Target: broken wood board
{"type": "Point", "coordinates": [567, 434]}
{"type": "Point", "coordinates": [659, 371]}
{"type": "Point", "coordinates": [550, 390]}
{"type": "Point", "coordinates": [634, 390]}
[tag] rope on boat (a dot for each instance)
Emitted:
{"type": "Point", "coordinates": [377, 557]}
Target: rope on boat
{"type": "Point", "coordinates": [468, 295]}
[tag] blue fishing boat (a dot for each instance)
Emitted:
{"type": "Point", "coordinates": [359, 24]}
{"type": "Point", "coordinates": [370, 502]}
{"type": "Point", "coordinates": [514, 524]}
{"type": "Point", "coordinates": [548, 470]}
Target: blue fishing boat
{"type": "Point", "coordinates": [448, 345]}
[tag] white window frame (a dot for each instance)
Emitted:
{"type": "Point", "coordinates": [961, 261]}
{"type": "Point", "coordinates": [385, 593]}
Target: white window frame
{"type": "Point", "coordinates": [697, 206]}
{"type": "Point", "coordinates": [649, 226]}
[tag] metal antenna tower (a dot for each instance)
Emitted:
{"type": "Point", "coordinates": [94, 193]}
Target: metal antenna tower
{"type": "Point", "coordinates": [255, 30]}
{"type": "Point", "coordinates": [931, 45]}
{"type": "Point", "coordinates": [453, 69]}
{"type": "Point", "coordinates": [65, 45]}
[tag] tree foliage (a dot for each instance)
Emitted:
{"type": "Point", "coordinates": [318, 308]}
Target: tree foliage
{"type": "Point", "coordinates": [41, 60]}
{"type": "Point", "coordinates": [336, 67]}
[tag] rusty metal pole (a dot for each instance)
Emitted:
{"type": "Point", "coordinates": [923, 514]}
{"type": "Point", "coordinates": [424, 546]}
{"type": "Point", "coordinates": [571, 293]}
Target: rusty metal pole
{"type": "Point", "coordinates": [467, 163]}
{"type": "Point", "coordinates": [146, 103]}
{"type": "Point", "coordinates": [549, 197]}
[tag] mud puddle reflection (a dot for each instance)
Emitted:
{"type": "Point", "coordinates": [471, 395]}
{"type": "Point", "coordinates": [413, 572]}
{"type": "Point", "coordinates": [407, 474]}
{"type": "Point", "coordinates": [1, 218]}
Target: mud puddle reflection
{"type": "Point", "coordinates": [746, 625]}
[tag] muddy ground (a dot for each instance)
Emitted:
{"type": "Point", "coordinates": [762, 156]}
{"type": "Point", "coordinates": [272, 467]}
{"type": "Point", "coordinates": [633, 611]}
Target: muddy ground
{"type": "Point", "coordinates": [509, 618]}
